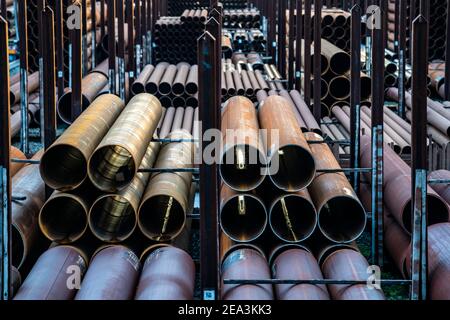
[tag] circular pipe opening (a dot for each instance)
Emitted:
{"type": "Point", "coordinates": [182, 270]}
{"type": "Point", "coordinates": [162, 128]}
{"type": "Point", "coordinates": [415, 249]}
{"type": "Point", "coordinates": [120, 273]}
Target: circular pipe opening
{"type": "Point", "coordinates": [111, 168]}
{"type": "Point", "coordinates": [151, 87]}
{"type": "Point", "coordinates": [112, 218]}
{"type": "Point", "coordinates": [65, 106]}
{"type": "Point", "coordinates": [137, 88]}
{"type": "Point", "coordinates": [178, 102]}
{"type": "Point", "coordinates": [366, 88]}
{"type": "Point", "coordinates": [340, 63]}
{"type": "Point", "coordinates": [192, 102]}
{"type": "Point", "coordinates": [166, 102]}
{"type": "Point", "coordinates": [284, 168]}
{"type": "Point", "coordinates": [243, 218]}
{"type": "Point", "coordinates": [342, 219]}
{"type": "Point", "coordinates": [164, 88]}
{"type": "Point", "coordinates": [243, 175]}
{"type": "Point", "coordinates": [340, 88]}
{"type": "Point", "coordinates": [63, 167]}
{"type": "Point", "coordinates": [178, 89]}
{"type": "Point", "coordinates": [438, 212]}
{"type": "Point", "coordinates": [161, 218]}
{"type": "Point", "coordinates": [18, 247]}
{"type": "Point", "coordinates": [293, 218]}
{"type": "Point", "coordinates": [191, 88]}
{"type": "Point", "coordinates": [63, 219]}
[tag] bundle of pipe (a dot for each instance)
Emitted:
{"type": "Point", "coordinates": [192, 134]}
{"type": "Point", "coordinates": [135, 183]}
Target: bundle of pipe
{"type": "Point", "coordinates": [175, 85]}
{"type": "Point", "coordinates": [250, 61]}
{"type": "Point", "coordinates": [294, 262]}
{"type": "Point", "coordinates": [64, 165]}
{"type": "Point", "coordinates": [112, 275]}
{"type": "Point", "coordinates": [91, 85]}
{"type": "Point", "coordinates": [163, 209]}
{"type": "Point", "coordinates": [168, 273]}
{"type": "Point", "coordinates": [290, 150]}
{"type": "Point", "coordinates": [341, 216]}
{"type": "Point", "coordinates": [436, 72]}
{"type": "Point", "coordinates": [246, 39]}
{"type": "Point", "coordinates": [246, 264]}
{"type": "Point", "coordinates": [178, 118]}
{"type": "Point", "coordinates": [438, 115]}
{"type": "Point", "coordinates": [29, 188]}
{"type": "Point", "coordinates": [115, 162]}
{"type": "Point", "coordinates": [175, 38]}
{"type": "Point", "coordinates": [48, 280]}
{"type": "Point", "coordinates": [391, 74]}
{"type": "Point", "coordinates": [240, 19]}
{"type": "Point", "coordinates": [436, 18]}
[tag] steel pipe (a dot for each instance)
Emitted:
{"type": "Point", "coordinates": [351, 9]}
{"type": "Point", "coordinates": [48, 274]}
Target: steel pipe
{"type": "Point", "coordinates": [138, 85]}
{"type": "Point", "coordinates": [115, 162]}
{"type": "Point", "coordinates": [442, 189]}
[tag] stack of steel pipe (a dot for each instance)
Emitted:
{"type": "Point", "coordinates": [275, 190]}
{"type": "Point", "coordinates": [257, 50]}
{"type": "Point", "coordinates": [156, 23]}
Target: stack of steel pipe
{"type": "Point", "coordinates": [238, 19]}
{"type": "Point", "coordinates": [114, 272]}
{"type": "Point", "coordinates": [175, 38]}
{"type": "Point", "coordinates": [246, 39]}
{"type": "Point", "coordinates": [175, 85]}
{"type": "Point", "coordinates": [436, 73]}
{"type": "Point", "coordinates": [177, 7]}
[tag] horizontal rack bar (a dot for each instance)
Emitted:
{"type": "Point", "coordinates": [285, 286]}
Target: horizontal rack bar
{"type": "Point", "coordinates": [169, 170]}
{"type": "Point", "coordinates": [316, 282]}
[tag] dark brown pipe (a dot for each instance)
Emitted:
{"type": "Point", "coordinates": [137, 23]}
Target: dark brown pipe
{"type": "Point", "coordinates": [168, 274]}
{"type": "Point", "coordinates": [243, 217]}
{"type": "Point", "coordinates": [292, 262]}
{"type": "Point", "coordinates": [112, 275]}
{"type": "Point", "coordinates": [243, 163]}
{"type": "Point", "coordinates": [33, 85]}
{"type": "Point", "coordinates": [246, 264]}
{"type": "Point", "coordinates": [305, 112]}
{"type": "Point", "coordinates": [26, 183]}
{"type": "Point", "coordinates": [50, 278]}
{"type": "Point", "coordinates": [342, 218]}
{"type": "Point", "coordinates": [442, 189]}
{"type": "Point", "coordinates": [14, 166]}
{"type": "Point", "coordinates": [291, 151]}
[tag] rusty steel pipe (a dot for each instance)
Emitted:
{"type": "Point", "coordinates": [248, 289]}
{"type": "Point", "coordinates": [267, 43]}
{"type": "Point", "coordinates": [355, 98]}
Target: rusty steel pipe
{"type": "Point", "coordinates": [346, 264]}
{"type": "Point", "coordinates": [138, 85]}
{"type": "Point", "coordinates": [297, 263]}
{"type": "Point", "coordinates": [293, 217]}
{"type": "Point", "coordinates": [342, 218]}
{"type": "Point", "coordinates": [162, 213]}
{"type": "Point", "coordinates": [305, 112]}
{"type": "Point", "coordinates": [339, 60]}
{"type": "Point", "coordinates": [246, 264]}
{"type": "Point", "coordinates": [33, 85]}
{"type": "Point", "coordinates": [228, 246]}
{"type": "Point", "coordinates": [113, 217]}
{"type": "Point", "coordinates": [243, 217]}
{"type": "Point", "coordinates": [442, 189]}
{"type": "Point", "coordinates": [291, 151]}
{"type": "Point", "coordinates": [154, 80]}
{"type": "Point", "coordinates": [112, 275]}
{"type": "Point", "coordinates": [14, 166]}
{"type": "Point", "coordinates": [49, 278]}
{"type": "Point", "coordinates": [325, 63]}
{"type": "Point", "coordinates": [26, 183]}
{"type": "Point", "coordinates": [64, 164]}
{"type": "Point", "coordinates": [168, 274]}
{"type": "Point", "coordinates": [242, 161]}
{"type": "Point", "coordinates": [115, 162]}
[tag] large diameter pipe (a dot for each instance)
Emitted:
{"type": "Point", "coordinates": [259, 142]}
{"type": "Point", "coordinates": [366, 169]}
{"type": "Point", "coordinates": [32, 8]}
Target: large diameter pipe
{"type": "Point", "coordinates": [27, 183]}
{"type": "Point", "coordinates": [297, 263]}
{"type": "Point", "coordinates": [246, 264]}
{"type": "Point", "coordinates": [112, 275]}
{"type": "Point", "coordinates": [64, 164]}
{"type": "Point", "coordinates": [115, 162]}
{"type": "Point", "coordinates": [398, 196]}
{"type": "Point", "coordinates": [49, 279]}
{"type": "Point", "coordinates": [342, 218]}
{"type": "Point", "coordinates": [243, 216]}
{"type": "Point", "coordinates": [91, 85]}
{"type": "Point", "coordinates": [243, 163]}
{"type": "Point", "coordinates": [442, 189]}
{"type": "Point", "coordinates": [339, 59]}
{"type": "Point", "coordinates": [168, 274]}
{"type": "Point", "coordinates": [293, 217]}
{"type": "Point", "coordinates": [15, 166]}
{"type": "Point", "coordinates": [162, 213]}
{"type": "Point", "coordinates": [228, 246]}
{"type": "Point", "coordinates": [113, 217]}
{"type": "Point", "coordinates": [287, 147]}
{"type": "Point", "coordinates": [346, 264]}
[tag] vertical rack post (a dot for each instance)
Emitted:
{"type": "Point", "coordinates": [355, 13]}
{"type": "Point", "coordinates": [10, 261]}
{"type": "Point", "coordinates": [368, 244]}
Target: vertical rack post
{"type": "Point", "coordinates": [93, 33]}
{"type": "Point", "coordinates": [398, 4]}
{"type": "Point", "coordinates": [138, 36]}
{"type": "Point", "coordinates": [40, 9]}
{"type": "Point", "coordinates": [402, 59]}
{"type": "Point", "coordinates": [355, 98]}
{"type": "Point", "coordinates": [144, 31]}
{"type": "Point", "coordinates": [447, 56]}
{"type": "Point", "coordinates": [291, 44]}
{"type": "Point", "coordinates": [317, 107]}
{"type": "Point", "coordinates": [148, 44]}
{"type": "Point", "coordinates": [23, 47]}
{"type": "Point", "coordinates": [131, 62]}
{"type": "Point", "coordinates": [3, 8]}
{"type": "Point", "coordinates": [5, 154]}
{"type": "Point", "coordinates": [102, 19]}
{"type": "Point", "coordinates": [59, 42]}
{"type": "Point", "coordinates": [307, 54]}
{"type": "Point", "coordinates": [207, 59]}
{"type": "Point", "coordinates": [281, 57]}
{"type": "Point", "coordinates": [49, 98]}
{"type": "Point", "coordinates": [298, 43]}
{"type": "Point", "coordinates": [76, 74]}
{"type": "Point", "coordinates": [377, 136]}
{"type": "Point", "coordinates": [84, 56]}
{"type": "Point", "coordinates": [272, 29]}
{"type": "Point", "coordinates": [120, 12]}
{"type": "Point", "coordinates": [112, 45]}
{"type": "Point", "coordinates": [419, 166]}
